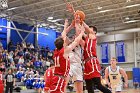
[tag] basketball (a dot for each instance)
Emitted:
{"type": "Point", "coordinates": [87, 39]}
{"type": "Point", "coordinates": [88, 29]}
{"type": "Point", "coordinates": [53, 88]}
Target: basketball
{"type": "Point", "coordinates": [81, 14]}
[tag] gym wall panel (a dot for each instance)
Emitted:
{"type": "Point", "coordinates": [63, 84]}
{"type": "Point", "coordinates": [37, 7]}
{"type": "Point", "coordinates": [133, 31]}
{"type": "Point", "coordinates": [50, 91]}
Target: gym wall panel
{"type": "Point", "coordinates": [14, 34]}
{"type": "Point", "coordinates": [136, 74]}
{"type": "Point", "coordinates": [129, 50]}
{"type": "Point", "coordinates": [3, 32]}
{"type": "Point", "coordinates": [47, 40]}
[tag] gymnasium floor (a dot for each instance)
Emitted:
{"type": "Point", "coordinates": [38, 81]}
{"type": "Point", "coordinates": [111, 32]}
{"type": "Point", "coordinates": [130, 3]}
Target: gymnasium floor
{"type": "Point", "coordinates": [124, 91]}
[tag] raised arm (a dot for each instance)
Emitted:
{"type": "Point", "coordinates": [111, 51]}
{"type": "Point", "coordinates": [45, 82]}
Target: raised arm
{"type": "Point", "coordinates": [75, 42]}
{"type": "Point", "coordinates": [123, 73]}
{"type": "Point", "coordinates": [70, 8]}
{"type": "Point", "coordinates": [91, 33]}
{"type": "Point", "coordinates": [87, 28]}
{"type": "Point", "coordinates": [65, 31]}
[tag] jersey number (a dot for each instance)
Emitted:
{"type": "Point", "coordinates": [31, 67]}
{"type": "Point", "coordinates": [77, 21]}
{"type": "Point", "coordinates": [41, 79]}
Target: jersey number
{"type": "Point", "coordinates": [57, 64]}
{"type": "Point", "coordinates": [114, 77]}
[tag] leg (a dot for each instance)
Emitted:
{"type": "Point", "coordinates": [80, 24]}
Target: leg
{"type": "Point", "coordinates": [89, 85]}
{"type": "Point", "coordinates": [11, 89]}
{"type": "Point", "coordinates": [7, 89]}
{"type": "Point", "coordinates": [97, 82]}
{"type": "Point", "coordinates": [67, 81]}
{"type": "Point", "coordinates": [79, 86]}
{"type": "Point", "coordinates": [39, 90]}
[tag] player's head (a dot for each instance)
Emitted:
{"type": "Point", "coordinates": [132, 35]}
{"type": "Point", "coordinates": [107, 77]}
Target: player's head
{"type": "Point", "coordinates": [52, 65]}
{"type": "Point", "coordinates": [113, 61]}
{"type": "Point", "coordinates": [10, 70]}
{"type": "Point", "coordinates": [59, 43]}
{"type": "Point", "coordinates": [93, 28]}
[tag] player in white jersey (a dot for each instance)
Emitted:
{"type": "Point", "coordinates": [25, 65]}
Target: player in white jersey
{"type": "Point", "coordinates": [76, 72]}
{"type": "Point", "coordinates": [115, 73]}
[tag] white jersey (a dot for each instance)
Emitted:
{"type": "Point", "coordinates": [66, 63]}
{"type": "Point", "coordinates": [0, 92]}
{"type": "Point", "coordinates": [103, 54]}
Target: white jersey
{"type": "Point", "coordinates": [75, 56]}
{"type": "Point", "coordinates": [115, 78]}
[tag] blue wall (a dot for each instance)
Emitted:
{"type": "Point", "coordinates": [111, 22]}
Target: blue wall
{"type": "Point", "coordinates": [47, 40]}
{"type": "Point", "coordinates": [3, 32]}
{"type": "Point", "coordinates": [136, 75]}
{"type": "Point", "coordinates": [43, 40]}
{"type": "Point", "coordinates": [16, 38]}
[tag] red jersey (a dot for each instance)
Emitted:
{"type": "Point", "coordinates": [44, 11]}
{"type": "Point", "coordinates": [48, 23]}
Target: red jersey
{"type": "Point", "coordinates": [90, 48]}
{"type": "Point", "coordinates": [1, 83]}
{"type": "Point", "coordinates": [92, 66]}
{"type": "Point", "coordinates": [62, 65]}
{"type": "Point", "coordinates": [49, 75]}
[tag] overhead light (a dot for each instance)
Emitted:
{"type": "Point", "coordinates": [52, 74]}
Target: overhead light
{"type": "Point", "coordinates": [59, 24]}
{"type": "Point", "coordinates": [59, 28]}
{"type": "Point", "coordinates": [43, 24]}
{"type": "Point", "coordinates": [104, 11]}
{"type": "Point", "coordinates": [12, 8]}
{"type": "Point", "coordinates": [56, 20]}
{"type": "Point", "coordinates": [129, 6]}
{"type": "Point", "coordinates": [52, 26]}
{"type": "Point", "coordinates": [132, 21]}
{"type": "Point", "coordinates": [99, 8]}
{"type": "Point", "coordinates": [50, 18]}
{"type": "Point", "coordinates": [4, 5]}
{"type": "Point", "coordinates": [128, 0]}
{"type": "Point", "coordinates": [127, 18]}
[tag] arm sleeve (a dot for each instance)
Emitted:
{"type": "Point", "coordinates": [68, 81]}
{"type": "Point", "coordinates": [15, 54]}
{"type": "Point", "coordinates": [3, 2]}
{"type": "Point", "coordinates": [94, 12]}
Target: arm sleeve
{"type": "Point", "coordinates": [6, 77]}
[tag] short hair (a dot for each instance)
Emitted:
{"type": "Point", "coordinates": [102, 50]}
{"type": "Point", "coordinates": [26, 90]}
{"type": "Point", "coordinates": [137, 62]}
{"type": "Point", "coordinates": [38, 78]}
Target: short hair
{"type": "Point", "coordinates": [11, 70]}
{"type": "Point", "coordinates": [59, 43]}
{"type": "Point", "coordinates": [94, 28]}
{"type": "Point", "coordinates": [52, 64]}
{"type": "Point", "coordinates": [114, 58]}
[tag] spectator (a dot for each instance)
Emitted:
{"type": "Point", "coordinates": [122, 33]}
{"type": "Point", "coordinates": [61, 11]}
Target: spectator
{"type": "Point", "coordinates": [10, 46]}
{"type": "Point", "coordinates": [20, 74]}
{"type": "Point", "coordinates": [32, 46]}
{"type": "Point", "coordinates": [21, 60]}
{"type": "Point", "coordinates": [1, 44]}
{"type": "Point", "coordinates": [9, 81]}
{"type": "Point", "coordinates": [6, 60]}
{"type": "Point", "coordinates": [136, 83]}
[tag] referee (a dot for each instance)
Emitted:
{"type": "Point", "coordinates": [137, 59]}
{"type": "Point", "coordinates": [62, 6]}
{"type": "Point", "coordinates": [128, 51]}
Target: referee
{"type": "Point", "coordinates": [9, 81]}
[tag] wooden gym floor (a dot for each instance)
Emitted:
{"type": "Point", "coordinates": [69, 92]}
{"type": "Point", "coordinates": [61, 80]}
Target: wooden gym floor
{"type": "Point", "coordinates": [124, 91]}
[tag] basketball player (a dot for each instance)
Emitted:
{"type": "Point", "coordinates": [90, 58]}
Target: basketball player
{"type": "Point", "coordinates": [47, 77]}
{"type": "Point", "coordinates": [91, 66]}
{"type": "Point", "coordinates": [62, 64]}
{"type": "Point", "coordinates": [1, 78]}
{"type": "Point", "coordinates": [76, 68]}
{"type": "Point", "coordinates": [114, 73]}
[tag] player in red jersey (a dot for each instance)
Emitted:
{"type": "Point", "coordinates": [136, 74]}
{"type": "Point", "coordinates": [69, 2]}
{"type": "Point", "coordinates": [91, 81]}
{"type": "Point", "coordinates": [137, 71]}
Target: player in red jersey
{"type": "Point", "coordinates": [49, 74]}
{"type": "Point", "coordinates": [1, 79]}
{"type": "Point", "coordinates": [92, 66]}
{"type": "Point", "coordinates": [62, 64]}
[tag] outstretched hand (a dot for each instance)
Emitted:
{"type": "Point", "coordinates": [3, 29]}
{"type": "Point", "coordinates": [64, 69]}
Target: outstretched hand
{"type": "Point", "coordinates": [70, 8]}
{"type": "Point", "coordinates": [66, 24]}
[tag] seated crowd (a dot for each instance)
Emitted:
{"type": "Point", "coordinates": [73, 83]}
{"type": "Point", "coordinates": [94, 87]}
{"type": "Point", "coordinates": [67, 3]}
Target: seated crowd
{"type": "Point", "coordinates": [28, 64]}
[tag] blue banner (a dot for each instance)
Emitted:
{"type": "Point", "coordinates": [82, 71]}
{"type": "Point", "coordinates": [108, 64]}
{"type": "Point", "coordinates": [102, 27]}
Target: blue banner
{"type": "Point", "coordinates": [58, 34]}
{"type": "Point", "coordinates": [3, 32]}
{"type": "Point", "coordinates": [120, 51]}
{"type": "Point", "coordinates": [104, 53]}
